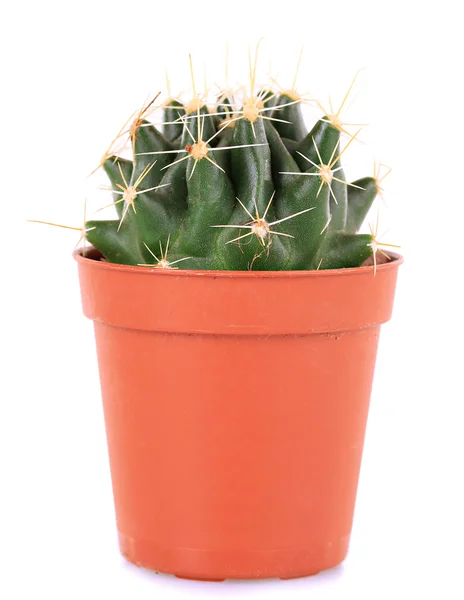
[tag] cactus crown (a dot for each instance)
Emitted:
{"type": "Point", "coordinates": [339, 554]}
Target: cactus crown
{"type": "Point", "coordinates": [238, 186]}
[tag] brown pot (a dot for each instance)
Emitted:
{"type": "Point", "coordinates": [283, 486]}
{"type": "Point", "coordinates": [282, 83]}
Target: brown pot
{"type": "Point", "coordinates": [235, 407]}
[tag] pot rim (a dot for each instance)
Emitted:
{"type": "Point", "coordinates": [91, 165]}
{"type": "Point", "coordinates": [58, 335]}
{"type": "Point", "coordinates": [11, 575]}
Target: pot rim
{"type": "Point", "coordinates": [397, 260]}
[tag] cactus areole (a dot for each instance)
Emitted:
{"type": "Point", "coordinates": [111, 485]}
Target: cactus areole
{"type": "Point", "coordinates": [237, 312]}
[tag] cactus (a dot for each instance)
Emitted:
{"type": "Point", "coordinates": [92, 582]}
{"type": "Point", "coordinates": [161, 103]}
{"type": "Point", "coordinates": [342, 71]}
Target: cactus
{"type": "Point", "coordinates": [235, 187]}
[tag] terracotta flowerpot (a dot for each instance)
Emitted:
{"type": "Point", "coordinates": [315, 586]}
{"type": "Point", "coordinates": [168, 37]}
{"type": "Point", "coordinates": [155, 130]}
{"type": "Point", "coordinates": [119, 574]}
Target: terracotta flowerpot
{"type": "Point", "coordinates": [235, 407]}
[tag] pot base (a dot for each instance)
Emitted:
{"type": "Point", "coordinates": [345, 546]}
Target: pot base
{"type": "Point", "coordinates": [216, 566]}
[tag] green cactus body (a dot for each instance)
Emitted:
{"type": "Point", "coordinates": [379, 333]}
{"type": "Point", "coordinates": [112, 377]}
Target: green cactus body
{"type": "Point", "coordinates": [225, 105]}
{"type": "Point", "coordinates": [289, 110]}
{"type": "Point", "coordinates": [173, 126]}
{"type": "Point", "coordinates": [235, 191]}
{"type": "Point", "coordinates": [115, 242]}
{"type": "Point", "coordinates": [341, 250]}
{"type": "Point", "coordinates": [210, 201]}
{"type": "Point", "coordinates": [118, 171]}
{"type": "Point", "coordinates": [360, 200]}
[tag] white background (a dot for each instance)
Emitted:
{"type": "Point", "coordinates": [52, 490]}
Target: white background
{"type": "Point", "coordinates": [73, 72]}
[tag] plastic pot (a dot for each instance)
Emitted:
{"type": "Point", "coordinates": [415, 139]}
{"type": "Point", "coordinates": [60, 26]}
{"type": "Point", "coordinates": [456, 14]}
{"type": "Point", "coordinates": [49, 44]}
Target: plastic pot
{"type": "Point", "coordinates": [235, 407]}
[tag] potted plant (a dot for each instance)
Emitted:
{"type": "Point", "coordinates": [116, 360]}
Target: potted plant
{"type": "Point", "coordinates": [237, 313]}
